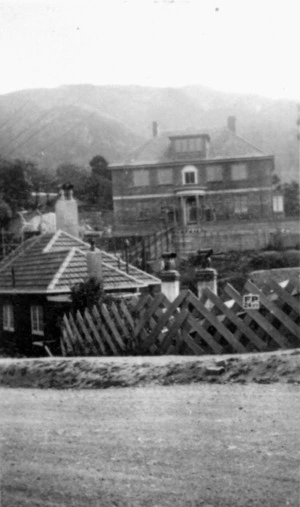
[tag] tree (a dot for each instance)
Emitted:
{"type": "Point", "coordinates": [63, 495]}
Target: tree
{"type": "Point", "coordinates": [5, 215]}
{"type": "Point", "coordinates": [100, 185]}
{"type": "Point", "coordinates": [15, 183]}
{"type": "Point", "coordinates": [78, 177]}
{"type": "Point", "coordinates": [99, 167]}
{"type": "Point", "coordinates": [87, 294]}
{"type": "Point", "coordinates": [291, 199]}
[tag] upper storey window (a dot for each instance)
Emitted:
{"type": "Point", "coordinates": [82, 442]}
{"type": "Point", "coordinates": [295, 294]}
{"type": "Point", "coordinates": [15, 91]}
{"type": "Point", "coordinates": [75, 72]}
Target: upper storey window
{"type": "Point", "coordinates": [214, 173]}
{"type": "Point", "coordinates": [141, 178]}
{"type": "Point", "coordinates": [190, 144]}
{"type": "Point", "coordinates": [165, 176]}
{"type": "Point", "coordinates": [189, 175]}
{"type": "Point", "coordinates": [239, 171]}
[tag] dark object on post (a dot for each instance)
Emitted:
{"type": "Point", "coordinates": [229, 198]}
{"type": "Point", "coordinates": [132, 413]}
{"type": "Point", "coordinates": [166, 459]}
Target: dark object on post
{"type": "Point", "coordinates": [204, 257]}
{"type": "Point", "coordinates": [169, 261]}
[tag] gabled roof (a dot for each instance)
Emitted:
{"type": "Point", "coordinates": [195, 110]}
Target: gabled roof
{"type": "Point", "coordinates": [224, 144]}
{"type": "Point", "coordinates": [53, 263]}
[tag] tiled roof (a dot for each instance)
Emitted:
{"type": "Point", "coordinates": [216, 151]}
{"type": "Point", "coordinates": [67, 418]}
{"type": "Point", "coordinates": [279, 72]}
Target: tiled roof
{"type": "Point", "coordinates": [223, 144]}
{"type": "Point", "coordinates": [55, 262]}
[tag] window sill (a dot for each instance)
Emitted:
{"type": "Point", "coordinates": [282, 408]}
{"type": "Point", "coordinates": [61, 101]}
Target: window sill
{"type": "Point", "coordinates": [10, 329]}
{"type": "Point", "coordinates": [37, 333]}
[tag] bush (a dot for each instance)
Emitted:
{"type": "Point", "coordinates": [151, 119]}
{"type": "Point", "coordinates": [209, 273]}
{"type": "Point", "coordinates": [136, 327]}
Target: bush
{"type": "Point", "coordinates": [87, 294]}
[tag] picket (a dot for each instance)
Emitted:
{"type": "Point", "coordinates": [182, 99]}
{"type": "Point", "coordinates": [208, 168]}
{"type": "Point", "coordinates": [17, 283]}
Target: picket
{"type": "Point", "coordinates": [154, 325]}
{"type": "Point", "coordinates": [94, 331]}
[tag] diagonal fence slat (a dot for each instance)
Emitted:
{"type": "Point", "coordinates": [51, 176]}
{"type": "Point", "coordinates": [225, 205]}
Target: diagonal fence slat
{"type": "Point", "coordinates": [162, 322]}
{"type": "Point", "coordinates": [247, 331]}
{"type": "Point", "coordinates": [258, 318]}
{"type": "Point", "coordinates": [86, 333]}
{"type": "Point", "coordinates": [211, 325]}
{"type": "Point", "coordinates": [230, 338]}
{"type": "Point", "coordinates": [111, 325]}
{"type": "Point", "coordinates": [111, 346]}
{"type": "Point", "coordinates": [275, 310]}
{"type": "Point", "coordinates": [96, 335]}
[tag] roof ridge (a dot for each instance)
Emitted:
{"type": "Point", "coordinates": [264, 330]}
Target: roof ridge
{"type": "Point", "coordinates": [247, 142]}
{"type": "Point", "coordinates": [62, 268]}
{"type": "Point", "coordinates": [50, 243]}
{"type": "Point", "coordinates": [19, 251]}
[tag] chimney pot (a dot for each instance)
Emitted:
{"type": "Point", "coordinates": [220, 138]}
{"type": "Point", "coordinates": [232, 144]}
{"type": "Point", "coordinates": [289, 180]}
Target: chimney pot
{"type": "Point", "coordinates": [231, 123]}
{"type": "Point", "coordinates": [66, 211]}
{"type": "Point", "coordinates": [154, 128]}
{"type": "Point", "coordinates": [94, 264]}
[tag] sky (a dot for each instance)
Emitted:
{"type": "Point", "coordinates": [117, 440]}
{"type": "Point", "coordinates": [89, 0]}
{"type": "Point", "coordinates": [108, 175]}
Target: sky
{"type": "Point", "coordinates": [243, 46]}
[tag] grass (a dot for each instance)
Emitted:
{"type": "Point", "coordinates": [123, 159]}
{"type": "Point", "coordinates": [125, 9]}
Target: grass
{"type": "Point", "coordinates": [196, 445]}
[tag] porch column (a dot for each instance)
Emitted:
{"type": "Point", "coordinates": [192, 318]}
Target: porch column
{"type": "Point", "coordinates": [198, 209]}
{"type": "Point", "coordinates": [183, 210]}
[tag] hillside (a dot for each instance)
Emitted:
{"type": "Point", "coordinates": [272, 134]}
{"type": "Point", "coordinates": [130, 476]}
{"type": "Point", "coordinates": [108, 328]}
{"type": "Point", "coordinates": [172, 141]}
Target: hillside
{"type": "Point", "coordinates": [73, 123]}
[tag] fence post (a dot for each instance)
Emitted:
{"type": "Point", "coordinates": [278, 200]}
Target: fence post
{"type": "Point", "coordinates": [170, 278]}
{"type": "Point", "coordinates": [206, 278]}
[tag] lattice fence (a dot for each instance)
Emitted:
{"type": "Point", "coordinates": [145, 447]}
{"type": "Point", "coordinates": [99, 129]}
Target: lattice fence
{"type": "Point", "coordinates": [211, 325]}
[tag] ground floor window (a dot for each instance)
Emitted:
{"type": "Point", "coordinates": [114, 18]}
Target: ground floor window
{"type": "Point", "coordinates": [240, 204]}
{"type": "Point", "coordinates": [37, 319]}
{"type": "Point", "coordinates": [8, 318]}
{"type": "Point", "coordinates": [278, 203]}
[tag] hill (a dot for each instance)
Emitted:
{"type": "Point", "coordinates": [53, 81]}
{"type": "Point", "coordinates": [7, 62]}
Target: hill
{"type": "Point", "coordinates": [73, 123]}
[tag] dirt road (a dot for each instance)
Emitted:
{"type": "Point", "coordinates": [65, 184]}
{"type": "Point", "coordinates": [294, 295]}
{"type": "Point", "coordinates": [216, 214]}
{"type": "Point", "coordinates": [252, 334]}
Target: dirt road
{"type": "Point", "coordinates": [196, 445]}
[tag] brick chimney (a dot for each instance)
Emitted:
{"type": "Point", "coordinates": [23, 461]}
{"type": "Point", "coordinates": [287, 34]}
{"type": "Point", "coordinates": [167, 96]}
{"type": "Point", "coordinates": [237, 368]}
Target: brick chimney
{"type": "Point", "coordinates": [154, 129]}
{"type": "Point", "coordinates": [66, 211]}
{"type": "Point", "coordinates": [231, 124]}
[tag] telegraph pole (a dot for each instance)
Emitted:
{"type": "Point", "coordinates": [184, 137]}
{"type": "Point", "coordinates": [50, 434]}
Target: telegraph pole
{"type": "Point", "coordinates": [298, 135]}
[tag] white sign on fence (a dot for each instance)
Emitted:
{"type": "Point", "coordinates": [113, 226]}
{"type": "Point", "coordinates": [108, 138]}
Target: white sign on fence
{"type": "Point", "coordinates": [251, 302]}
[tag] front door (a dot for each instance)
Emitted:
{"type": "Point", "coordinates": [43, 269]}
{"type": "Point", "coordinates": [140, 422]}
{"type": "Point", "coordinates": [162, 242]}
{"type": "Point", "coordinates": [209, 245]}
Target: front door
{"type": "Point", "coordinates": [191, 210]}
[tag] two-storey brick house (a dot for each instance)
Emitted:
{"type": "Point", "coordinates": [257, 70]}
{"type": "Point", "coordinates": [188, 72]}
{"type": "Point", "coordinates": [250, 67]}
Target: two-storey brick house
{"type": "Point", "coordinates": [193, 178]}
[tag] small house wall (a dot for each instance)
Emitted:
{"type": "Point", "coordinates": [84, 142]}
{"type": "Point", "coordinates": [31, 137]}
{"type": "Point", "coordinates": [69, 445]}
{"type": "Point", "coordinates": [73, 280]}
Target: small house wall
{"type": "Point", "coordinates": [22, 338]}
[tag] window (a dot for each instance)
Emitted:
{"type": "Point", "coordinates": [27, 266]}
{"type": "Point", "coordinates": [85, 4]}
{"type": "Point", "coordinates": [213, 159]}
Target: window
{"type": "Point", "coordinates": [8, 318]}
{"type": "Point", "coordinates": [189, 178]}
{"type": "Point", "coordinates": [214, 173]}
{"type": "Point", "coordinates": [165, 176]}
{"type": "Point", "coordinates": [189, 175]}
{"type": "Point", "coordinates": [278, 203]}
{"type": "Point", "coordinates": [141, 178]}
{"type": "Point", "coordinates": [238, 172]}
{"type": "Point", "coordinates": [240, 204]}
{"type": "Point", "coordinates": [189, 144]}
{"type": "Point", "coordinates": [37, 320]}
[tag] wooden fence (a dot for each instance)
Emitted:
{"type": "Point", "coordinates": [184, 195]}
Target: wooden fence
{"type": "Point", "coordinates": [212, 325]}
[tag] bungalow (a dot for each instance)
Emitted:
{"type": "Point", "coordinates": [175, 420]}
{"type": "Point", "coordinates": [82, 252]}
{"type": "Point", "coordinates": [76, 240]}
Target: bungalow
{"type": "Point", "coordinates": [36, 280]}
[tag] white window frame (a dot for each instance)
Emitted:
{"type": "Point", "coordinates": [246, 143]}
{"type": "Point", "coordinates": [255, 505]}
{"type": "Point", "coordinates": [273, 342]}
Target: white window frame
{"type": "Point", "coordinates": [278, 206]}
{"type": "Point", "coordinates": [187, 170]}
{"type": "Point", "coordinates": [8, 317]}
{"type": "Point", "coordinates": [37, 320]}
{"type": "Point", "coordinates": [241, 204]}
{"type": "Point", "coordinates": [238, 171]}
